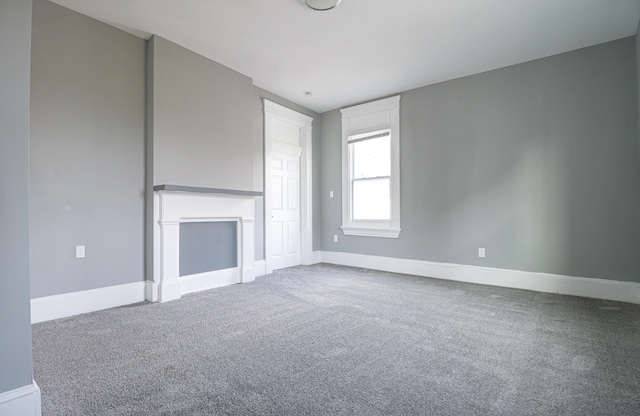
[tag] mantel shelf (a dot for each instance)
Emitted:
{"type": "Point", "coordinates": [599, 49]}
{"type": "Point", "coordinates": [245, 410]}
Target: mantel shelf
{"type": "Point", "coordinates": [180, 188]}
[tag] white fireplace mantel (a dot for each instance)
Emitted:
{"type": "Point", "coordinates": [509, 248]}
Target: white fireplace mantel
{"type": "Point", "coordinates": [173, 205]}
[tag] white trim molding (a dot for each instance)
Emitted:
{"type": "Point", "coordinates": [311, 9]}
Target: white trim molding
{"type": "Point", "coordinates": [540, 282]}
{"type": "Point", "coordinates": [364, 120]}
{"type": "Point", "coordinates": [176, 207]}
{"type": "Point", "coordinates": [314, 258]}
{"type": "Point", "coordinates": [371, 231]}
{"type": "Point", "coordinates": [48, 308]}
{"type": "Point", "coordinates": [260, 267]}
{"type": "Point", "coordinates": [276, 113]}
{"type": "Point", "coordinates": [23, 401]}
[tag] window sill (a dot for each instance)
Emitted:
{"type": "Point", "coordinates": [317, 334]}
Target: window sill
{"type": "Point", "coordinates": [371, 231]}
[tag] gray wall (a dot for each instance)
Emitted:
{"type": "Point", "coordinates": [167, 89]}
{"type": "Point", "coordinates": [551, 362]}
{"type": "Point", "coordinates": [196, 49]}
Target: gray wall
{"type": "Point", "coordinates": [86, 153]}
{"type": "Point", "coordinates": [199, 125]}
{"type": "Point", "coordinates": [202, 126]}
{"type": "Point", "coordinates": [259, 95]}
{"type": "Point", "coordinates": [15, 315]}
{"type": "Point", "coordinates": [537, 162]}
{"type": "Point", "coordinates": [97, 145]}
{"type": "Point", "coordinates": [200, 129]}
{"type": "Point", "coordinates": [208, 246]}
{"type": "Point", "coordinates": [638, 77]}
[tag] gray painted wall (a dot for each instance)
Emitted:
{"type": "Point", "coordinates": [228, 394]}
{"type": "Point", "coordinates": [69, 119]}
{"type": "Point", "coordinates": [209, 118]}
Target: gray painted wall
{"type": "Point", "coordinates": [15, 313]}
{"type": "Point", "coordinates": [200, 129]}
{"type": "Point", "coordinates": [86, 153]}
{"type": "Point", "coordinates": [537, 162]}
{"type": "Point", "coordinates": [202, 126]}
{"type": "Point", "coordinates": [96, 148]}
{"type": "Point", "coordinates": [259, 95]}
{"type": "Point", "coordinates": [208, 246]}
{"type": "Point", "coordinates": [638, 78]}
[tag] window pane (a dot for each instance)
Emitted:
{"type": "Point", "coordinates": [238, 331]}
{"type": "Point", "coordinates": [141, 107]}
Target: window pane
{"type": "Point", "coordinates": [372, 199]}
{"type": "Point", "coordinates": [371, 158]}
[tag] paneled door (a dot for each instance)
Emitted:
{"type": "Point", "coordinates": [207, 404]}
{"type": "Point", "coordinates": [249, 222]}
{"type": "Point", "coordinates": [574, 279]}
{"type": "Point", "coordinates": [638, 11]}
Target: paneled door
{"type": "Point", "coordinates": [285, 206]}
{"type": "Point", "coordinates": [288, 216]}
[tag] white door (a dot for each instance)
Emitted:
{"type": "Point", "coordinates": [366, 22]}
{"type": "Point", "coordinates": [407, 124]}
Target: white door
{"type": "Point", "coordinates": [285, 208]}
{"type": "Point", "coordinates": [288, 224]}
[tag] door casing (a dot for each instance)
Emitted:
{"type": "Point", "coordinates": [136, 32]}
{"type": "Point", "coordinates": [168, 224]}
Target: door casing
{"type": "Point", "coordinates": [276, 112]}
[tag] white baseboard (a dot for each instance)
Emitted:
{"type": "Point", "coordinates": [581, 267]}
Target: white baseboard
{"type": "Point", "coordinates": [599, 289]}
{"type": "Point", "coordinates": [539, 282]}
{"type": "Point", "coordinates": [169, 290]}
{"type": "Point", "coordinates": [315, 257]}
{"type": "Point", "coordinates": [209, 280]}
{"type": "Point", "coordinates": [248, 274]}
{"type": "Point", "coordinates": [260, 267]}
{"type": "Point", "coordinates": [174, 289]}
{"type": "Point", "coordinates": [151, 291]}
{"type": "Point", "coordinates": [68, 304]}
{"type": "Point", "coordinates": [23, 401]}
{"type": "Point", "coordinates": [264, 268]}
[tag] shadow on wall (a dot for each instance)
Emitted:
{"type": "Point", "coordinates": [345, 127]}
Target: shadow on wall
{"type": "Point", "coordinates": [514, 207]}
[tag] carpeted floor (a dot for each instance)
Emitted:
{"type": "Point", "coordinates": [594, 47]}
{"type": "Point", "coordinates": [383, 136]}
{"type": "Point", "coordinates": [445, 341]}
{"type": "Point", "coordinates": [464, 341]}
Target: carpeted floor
{"type": "Point", "coordinates": [330, 340]}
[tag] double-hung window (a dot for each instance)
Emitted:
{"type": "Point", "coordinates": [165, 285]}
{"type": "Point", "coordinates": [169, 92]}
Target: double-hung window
{"type": "Point", "coordinates": [370, 176]}
{"type": "Point", "coordinates": [370, 167]}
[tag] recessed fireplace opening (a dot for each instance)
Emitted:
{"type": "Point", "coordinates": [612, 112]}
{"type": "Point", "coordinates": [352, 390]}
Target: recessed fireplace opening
{"type": "Point", "coordinates": [208, 246]}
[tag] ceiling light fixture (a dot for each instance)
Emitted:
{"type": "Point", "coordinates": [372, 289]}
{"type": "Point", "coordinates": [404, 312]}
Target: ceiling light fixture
{"type": "Point", "coordinates": [322, 5]}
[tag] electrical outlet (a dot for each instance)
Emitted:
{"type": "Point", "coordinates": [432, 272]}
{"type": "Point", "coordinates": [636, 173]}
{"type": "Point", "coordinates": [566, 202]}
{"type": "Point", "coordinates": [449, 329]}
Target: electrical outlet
{"type": "Point", "coordinates": [330, 194]}
{"type": "Point", "coordinates": [79, 252]}
{"type": "Point", "coordinates": [335, 238]}
{"type": "Point", "coordinates": [481, 252]}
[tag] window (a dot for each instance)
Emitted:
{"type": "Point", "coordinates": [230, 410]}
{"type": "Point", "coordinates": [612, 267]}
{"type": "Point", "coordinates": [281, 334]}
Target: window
{"type": "Point", "coordinates": [370, 175]}
{"type": "Point", "coordinates": [371, 171]}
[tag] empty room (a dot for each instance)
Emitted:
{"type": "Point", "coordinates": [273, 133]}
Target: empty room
{"type": "Point", "coordinates": [319, 207]}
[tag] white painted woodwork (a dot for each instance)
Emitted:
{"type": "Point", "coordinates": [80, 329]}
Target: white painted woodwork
{"type": "Point", "coordinates": [23, 401]}
{"type": "Point", "coordinates": [285, 208]}
{"type": "Point", "coordinates": [518, 279]}
{"type": "Point", "coordinates": [69, 304]}
{"type": "Point", "coordinates": [48, 308]}
{"type": "Point", "coordinates": [174, 208]}
{"type": "Point", "coordinates": [365, 118]}
{"type": "Point", "coordinates": [52, 307]}
{"type": "Point", "coordinates": [287, 132]}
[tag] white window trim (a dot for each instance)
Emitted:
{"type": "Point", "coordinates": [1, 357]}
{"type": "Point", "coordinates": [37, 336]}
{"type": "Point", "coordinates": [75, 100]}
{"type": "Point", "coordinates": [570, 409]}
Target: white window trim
{"type": "Point", "coordinates": [377, 115]}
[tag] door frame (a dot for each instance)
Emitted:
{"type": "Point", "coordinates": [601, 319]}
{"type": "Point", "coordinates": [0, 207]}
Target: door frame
{"type": "Point", "coordinates": [304, 123]}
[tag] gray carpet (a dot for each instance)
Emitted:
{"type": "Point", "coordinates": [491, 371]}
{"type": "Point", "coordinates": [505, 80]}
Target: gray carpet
{"type": "Point", "coordinates": [329, 340]}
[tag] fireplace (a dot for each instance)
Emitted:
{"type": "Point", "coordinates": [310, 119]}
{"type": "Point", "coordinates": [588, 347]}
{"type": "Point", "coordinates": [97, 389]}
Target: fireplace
{"type": "Point", "coordinates": [217, 227]}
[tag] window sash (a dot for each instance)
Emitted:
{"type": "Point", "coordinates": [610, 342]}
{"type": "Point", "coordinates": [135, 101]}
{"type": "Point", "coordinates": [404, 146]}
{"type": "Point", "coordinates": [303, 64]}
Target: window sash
{"type": "Point", "coordinates": [369, 136]}
{"type": "Point", "coordinates": [363, 210]}
{"type": "Point", "coordinates": [358, 211]}
{"type": "Point", "coordinates": [356, 171]}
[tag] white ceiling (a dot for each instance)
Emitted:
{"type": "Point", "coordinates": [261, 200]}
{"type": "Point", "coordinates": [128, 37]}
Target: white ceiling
{"type": "Point", "coordinates": [367, 49]}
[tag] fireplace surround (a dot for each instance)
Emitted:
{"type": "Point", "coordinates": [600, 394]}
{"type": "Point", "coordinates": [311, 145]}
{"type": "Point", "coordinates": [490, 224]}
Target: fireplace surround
{"type": "Point", "coordinates": [174, 205]}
